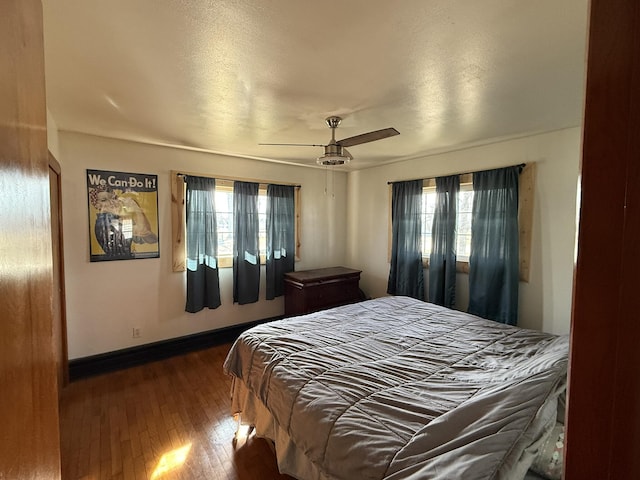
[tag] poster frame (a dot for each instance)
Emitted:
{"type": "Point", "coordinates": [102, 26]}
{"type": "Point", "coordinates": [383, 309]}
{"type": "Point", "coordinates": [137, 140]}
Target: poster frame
{"type": "Point", "coordinates": [123, 215]}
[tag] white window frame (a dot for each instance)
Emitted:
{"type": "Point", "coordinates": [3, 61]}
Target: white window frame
{"type": "Point", "coordinates": [226, 187]}
{"type": "Point", "coordinates": [429, 189]}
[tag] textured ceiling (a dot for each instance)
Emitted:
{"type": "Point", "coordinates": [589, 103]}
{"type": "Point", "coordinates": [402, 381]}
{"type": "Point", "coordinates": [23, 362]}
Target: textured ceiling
{"type": "Point", "coordinates": [224, 76]}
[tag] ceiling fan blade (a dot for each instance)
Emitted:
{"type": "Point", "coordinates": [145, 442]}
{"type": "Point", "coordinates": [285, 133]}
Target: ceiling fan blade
{"type": "Point", "coordinates": [293, 144]}
{"type": "Point", "coordinates": [368, 137]}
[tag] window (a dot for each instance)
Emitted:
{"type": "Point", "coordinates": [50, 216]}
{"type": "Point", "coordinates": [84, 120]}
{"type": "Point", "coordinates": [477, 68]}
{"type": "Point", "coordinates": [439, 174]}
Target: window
{"type": "Point", "coordinates": [224, 220]}
{"type": "Point", "coordinates": [428, 209]}
{"type": "Point", "coordinates": [463, 220]}
{"type": "Point", "coordinates": [465, 205]}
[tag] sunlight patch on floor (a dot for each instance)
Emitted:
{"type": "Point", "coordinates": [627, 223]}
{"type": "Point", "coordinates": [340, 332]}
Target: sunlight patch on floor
{"type": "Point", "coordinates": [171, 460]}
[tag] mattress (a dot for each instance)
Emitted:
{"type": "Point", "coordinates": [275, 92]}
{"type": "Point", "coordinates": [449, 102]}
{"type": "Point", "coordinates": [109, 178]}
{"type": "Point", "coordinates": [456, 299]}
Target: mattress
{"type": "Point", "coordinates": [396, 388]}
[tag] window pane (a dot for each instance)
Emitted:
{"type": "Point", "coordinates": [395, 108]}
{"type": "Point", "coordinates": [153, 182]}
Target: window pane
{"type": "Point", "coordinates": [464, 223]}
{"type": "Point", "coordinates": [428, 208]}
{"type": "Point", "coordinates": [465, 201]}
{"type": "Point", "coordinates": [430, 202]}
{"type": "Point", "coordinates": [225, 244]}
{"type": "Point", "coordinates": [426, 245]}
{"type": "Point", "coordinates": [262, 202]}
{"type": "Point", "coordinates": [463, 240]}
{"type": "Point", "coordinates": [262, 221]}
{"type": "Point", "coordinates": [224, 200]}
{"type": "Point", "coordinates": [428, 223]}
{"type": "Point", "coordinates": [224, 218]}
{"type": "Point", "coordinates": [463, 227]}
{"type": "Point", "coordinates": [224, 221]}
{"type": "Point", "coordinates": [463, 246]}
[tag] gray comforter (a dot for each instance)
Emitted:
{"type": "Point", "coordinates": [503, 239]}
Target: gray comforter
{"type": "Point", "coordinates": [395, 388]}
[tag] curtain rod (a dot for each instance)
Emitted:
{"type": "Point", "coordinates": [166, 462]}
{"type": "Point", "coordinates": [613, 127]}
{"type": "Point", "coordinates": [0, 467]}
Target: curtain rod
{"type": "Point", "coordinates": [521, 165]}
{"type": "Point", "coordinates": [229, 179]}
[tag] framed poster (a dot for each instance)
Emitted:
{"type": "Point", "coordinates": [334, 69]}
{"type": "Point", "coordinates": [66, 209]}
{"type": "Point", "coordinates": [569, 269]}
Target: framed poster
{"type": "Point", "coordinates": [123, 215]}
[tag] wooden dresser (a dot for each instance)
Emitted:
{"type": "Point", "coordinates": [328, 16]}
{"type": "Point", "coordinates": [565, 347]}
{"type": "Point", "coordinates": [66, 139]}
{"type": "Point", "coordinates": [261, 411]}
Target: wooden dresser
{"type": "Point", "coordinates": [312, 290]}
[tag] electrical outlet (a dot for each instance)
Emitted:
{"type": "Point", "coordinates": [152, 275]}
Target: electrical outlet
{"type": "Point", "coordinates": [136, 332]}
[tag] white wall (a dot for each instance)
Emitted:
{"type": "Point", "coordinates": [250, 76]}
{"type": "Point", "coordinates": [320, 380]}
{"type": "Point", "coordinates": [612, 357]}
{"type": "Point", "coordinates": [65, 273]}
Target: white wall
{"type": "Point", "coordinates": [105, 300]}
{"type": "Point", "coordinates": [545, 302]}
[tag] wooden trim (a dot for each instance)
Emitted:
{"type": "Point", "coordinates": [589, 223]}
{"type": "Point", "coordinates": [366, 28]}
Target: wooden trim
{"type": "Point", "coordinates": [178, 222]}
{"type": "Point", "coordinates": [139, 355]}
{"type": "Point", "coordinates": [603, 416]}
{"type": "Point", "coordinates": [526, 198]}
{"type": "Point", "coordinates": [54, 165]}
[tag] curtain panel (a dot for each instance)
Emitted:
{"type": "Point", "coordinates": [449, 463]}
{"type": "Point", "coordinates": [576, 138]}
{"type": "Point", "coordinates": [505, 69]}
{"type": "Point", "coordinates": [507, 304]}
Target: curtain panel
{"type": "Point", "coordinates": [494, 262]}
{"type": "Point", "coordinates": [246, 254]}
{"type": "Point", "coordinates": [203, 286]}
{"type": "Point", "coordinates": [280, 257]}
{"type": "Point", "coordinates": [406, 276]}
{"type": "Point", "coordinates": [442, 260]}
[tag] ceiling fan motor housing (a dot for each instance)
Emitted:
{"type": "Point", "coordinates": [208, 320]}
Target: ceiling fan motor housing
{"type": "Point", "coordinates": [333, 155]}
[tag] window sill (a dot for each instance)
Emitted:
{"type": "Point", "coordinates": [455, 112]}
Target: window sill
{"type": "Point", "coordinates": [461, 266]}
{"type": "Point", "coordinates": [227, 261]}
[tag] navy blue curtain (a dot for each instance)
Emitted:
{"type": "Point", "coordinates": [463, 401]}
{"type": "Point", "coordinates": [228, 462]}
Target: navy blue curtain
{"type": "Point", "coordinates": [494, 262]}
{"type": "Point", "coordinates": [406, 275]}
{"type": "Point", "coordinates": [246, 254]}
{"type": "Point", "coordinates": [280, 237]}
{"type": "Point", "coordinates": [203, 286]}
{"type": "Point", "coordinates": [442, 260]}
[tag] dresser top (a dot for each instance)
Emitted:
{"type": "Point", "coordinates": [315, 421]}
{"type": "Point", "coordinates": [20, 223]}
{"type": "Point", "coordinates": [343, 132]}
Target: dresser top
{"type": "Point", "coordinates": [321, 274]}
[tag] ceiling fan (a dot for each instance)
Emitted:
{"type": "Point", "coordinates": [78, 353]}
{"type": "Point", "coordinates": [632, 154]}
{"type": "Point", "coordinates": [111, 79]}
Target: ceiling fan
{"type": "Point", "coordinates": [335, 152]}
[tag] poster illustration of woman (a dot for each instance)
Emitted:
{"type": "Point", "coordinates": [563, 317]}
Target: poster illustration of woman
{"type": "Point", "coordinates": [123, 215]}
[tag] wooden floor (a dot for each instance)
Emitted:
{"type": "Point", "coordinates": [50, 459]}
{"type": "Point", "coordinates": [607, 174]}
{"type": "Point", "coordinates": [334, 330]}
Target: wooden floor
{"type": "Point", "coordinates": [164, 420]}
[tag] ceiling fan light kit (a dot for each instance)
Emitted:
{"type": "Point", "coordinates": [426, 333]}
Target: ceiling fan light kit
{"type": "Point", "coordinates": [332, 160]}
{"type": "Point", "coordinates": [335, 152]}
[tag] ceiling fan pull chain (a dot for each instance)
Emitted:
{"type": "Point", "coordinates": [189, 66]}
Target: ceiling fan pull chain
{"type": "Point", "coordinates": [333, 184]}
{"type": "Point", "coordinates": [326, 180]}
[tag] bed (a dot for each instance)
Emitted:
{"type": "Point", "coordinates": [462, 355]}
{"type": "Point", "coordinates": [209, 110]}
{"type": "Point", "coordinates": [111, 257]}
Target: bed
{"type": "Point", "coordinates": [395, 388]}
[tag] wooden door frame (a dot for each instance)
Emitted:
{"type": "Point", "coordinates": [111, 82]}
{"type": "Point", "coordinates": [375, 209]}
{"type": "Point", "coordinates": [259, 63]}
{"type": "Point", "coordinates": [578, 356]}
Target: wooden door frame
{"type": "Point", "coordinates": [55, 166]}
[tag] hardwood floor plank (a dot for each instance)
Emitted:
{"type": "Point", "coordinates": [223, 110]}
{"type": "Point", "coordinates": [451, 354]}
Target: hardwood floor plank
{"type": "Point", "coordinates": [165, 420]}
{"type": "Point", "coordinates": [94, 457]}
{"type": "Point", "coordinates": [139, 468]}
{"type": "Point", "coordinates": [136, 445]}
{"type": "Point", "coordinates": [116, 459]}
{"type": "Point", "coordinates": [128, 469]}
